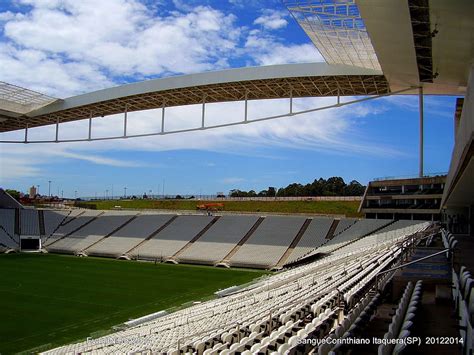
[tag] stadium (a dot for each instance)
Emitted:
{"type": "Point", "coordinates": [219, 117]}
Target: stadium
{"type": "Point", "coordinates": [106, 276]}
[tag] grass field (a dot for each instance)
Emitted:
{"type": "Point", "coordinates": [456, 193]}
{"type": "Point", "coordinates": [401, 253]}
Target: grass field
{"type": "Point", "coordinates": [348, 208]}
{"type": "Point", "coordinates": [55, 299]}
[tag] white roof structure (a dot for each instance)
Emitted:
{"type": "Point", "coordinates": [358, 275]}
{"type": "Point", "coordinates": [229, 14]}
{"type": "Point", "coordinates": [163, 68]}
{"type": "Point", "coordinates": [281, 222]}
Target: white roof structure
{"type": "Point", "coordinates": [337, 30]}
{"type": "Point", "coordinates": [16, 100]}
{"type": "Point", "coordinates": [415, 43]}
{"type": "Point", "coordinates": [252, 83]}
{"type": "Point", "coordinates": [372, 47]}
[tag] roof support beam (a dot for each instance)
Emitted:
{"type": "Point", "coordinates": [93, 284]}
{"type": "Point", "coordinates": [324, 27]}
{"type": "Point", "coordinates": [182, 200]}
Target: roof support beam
{"type": "Point", "coordinates": [57, 130]}
{"type": "Point", "coordinates": [420, 103]}
{"type": "Point", "coordinates": [203, 115]}
{"type": "Point", "coordinates": [203, 127]}
{"type": "Point", "coordinates": [163, 118]}
{"type": "Point", "coordinates": [90, 127]}
{"type": "Point", "coordinates": [125, 121]}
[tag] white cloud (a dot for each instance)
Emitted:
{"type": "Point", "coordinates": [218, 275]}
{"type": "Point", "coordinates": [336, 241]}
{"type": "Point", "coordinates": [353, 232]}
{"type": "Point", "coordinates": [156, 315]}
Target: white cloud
{"type": "Point", "coordinates": [272, 19]}
{"type": "Point", "coordinates": [33, 69]}
{"type": "Point", "coordinates": [432, 105]}
{"type": "Point", "coordinates": [329, 131]}
{"type": "Point", "coordinates": [11, 168]}
{"type": "Point", "coordinates": [109, 39]}
{"type": "Point", "coordinates": [265, 49]}
{"type": "Point", "coordinates": [65, 47]}
{"type": "Point", "coordinates": [23, 161]}
{"type": "Point", "coordinates": [59, 48]}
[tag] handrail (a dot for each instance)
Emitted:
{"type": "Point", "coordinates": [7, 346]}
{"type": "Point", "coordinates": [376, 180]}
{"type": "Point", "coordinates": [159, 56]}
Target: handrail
{"type": "Point", "coordinates": [407, 264]}
{"type": "Point", "coordinates": [413, 262]}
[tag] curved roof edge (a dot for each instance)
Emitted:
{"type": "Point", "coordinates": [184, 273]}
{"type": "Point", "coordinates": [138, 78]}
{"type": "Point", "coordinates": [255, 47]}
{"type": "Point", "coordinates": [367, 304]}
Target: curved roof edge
{"type": "Point", "coordinates": [207, 78]}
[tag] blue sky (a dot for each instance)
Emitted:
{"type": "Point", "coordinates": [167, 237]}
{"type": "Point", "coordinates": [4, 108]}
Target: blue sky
{"type": "Point", "coordinates": [66, 47]}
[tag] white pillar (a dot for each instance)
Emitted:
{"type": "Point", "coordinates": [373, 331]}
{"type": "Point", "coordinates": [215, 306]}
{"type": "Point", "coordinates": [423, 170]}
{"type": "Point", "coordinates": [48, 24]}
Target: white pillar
{"type": "Point", "coordinates": [420, 96]}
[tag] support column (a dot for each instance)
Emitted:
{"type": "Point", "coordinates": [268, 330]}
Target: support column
{"type": "Point", "coordinates": [125, 114]}
{"type": "Point", "coordinates": [246, 106]}
{"type": "Point", "coordinates": [420, 96]}
{"type": "Point", "coordinates": [57, 130]}
{"type": "Point", "coordinates": [90, 127]}
{"type": "Point", "coordinates": [203, 112]}
{"type": "Point", "coordinates": [163, 117]}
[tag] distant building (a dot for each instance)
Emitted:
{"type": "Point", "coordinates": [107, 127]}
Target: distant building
{"type": "Point", "coordinates": [32, 192]}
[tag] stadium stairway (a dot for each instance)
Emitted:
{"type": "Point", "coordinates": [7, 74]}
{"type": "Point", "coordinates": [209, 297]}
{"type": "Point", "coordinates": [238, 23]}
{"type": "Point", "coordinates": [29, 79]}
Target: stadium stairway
{"type": "Point", "coordinates": [41, 223]}
{"type": "Point", "coordinates": [129, 252]}
{"type": "Point", "coordinates": [16, 243]}
{"type": "Point", "coordinates": [293, 244]}
{"type": "Point", "coordinates": [432, 315]}
{"type": "Point", "coordinates": [62, 223]}
{"type": "Point", "coordinates": [68, 219]}
{"type": "Point", "coordinates": [226, 260]}
{"type": "Point", "coordinates": [435, 316]}
{"type": "Point", "coordinates": [196, 238]}
{"type": "Point", "coordinates": [329, 235]}
{"type": "Point", "coordinates": [83, 252]}
{"type": "Point", "coordinates": [332, 229]}
{"type": "Point", "coordinates": [17, 225]}
{"type": "Point", "coordinates": [78, 228]}
{"type": "Point", "coordinates": [463, 254]}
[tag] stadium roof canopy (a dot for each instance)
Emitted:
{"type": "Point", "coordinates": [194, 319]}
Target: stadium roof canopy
{"type": "Point", "coordinates": [15, 100]}
{"type": "Point", "coordinates": [372, 47]}
{"type": "Point", "coordinates": [267, 82]}
{"type": "Point", "coordinates": [416, 43]}
{"type": "Point", "coordinates": [337, 30]}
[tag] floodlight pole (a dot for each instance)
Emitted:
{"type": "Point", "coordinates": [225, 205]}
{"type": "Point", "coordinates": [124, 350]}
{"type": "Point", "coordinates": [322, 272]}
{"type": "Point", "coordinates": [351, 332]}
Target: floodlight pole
{"type": "Point", "coordinates": [420, 102]}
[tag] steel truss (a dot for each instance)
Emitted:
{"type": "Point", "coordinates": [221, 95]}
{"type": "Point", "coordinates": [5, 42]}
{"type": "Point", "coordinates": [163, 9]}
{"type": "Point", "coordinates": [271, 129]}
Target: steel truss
{"type": "Point", "coordinates": [337, 30]}
{"type": "Point", "coordinates": [162, 131]}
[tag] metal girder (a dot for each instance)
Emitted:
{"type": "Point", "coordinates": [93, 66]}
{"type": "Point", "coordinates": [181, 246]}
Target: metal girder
{"type": "Point", "coordinates": [203, 102]}
{"type": "Point", "coordinates": [274, 88]}
{"type": "Point", "coordinates": [336, 29]}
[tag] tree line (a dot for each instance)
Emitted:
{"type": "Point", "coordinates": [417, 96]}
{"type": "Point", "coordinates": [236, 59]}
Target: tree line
{"type": "Point", "coordinates": [334, 186]}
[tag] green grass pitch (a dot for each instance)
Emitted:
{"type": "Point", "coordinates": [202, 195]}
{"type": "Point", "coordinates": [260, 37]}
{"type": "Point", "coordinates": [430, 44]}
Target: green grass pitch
{"type": "Point", "coordinates": [56, 299]}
